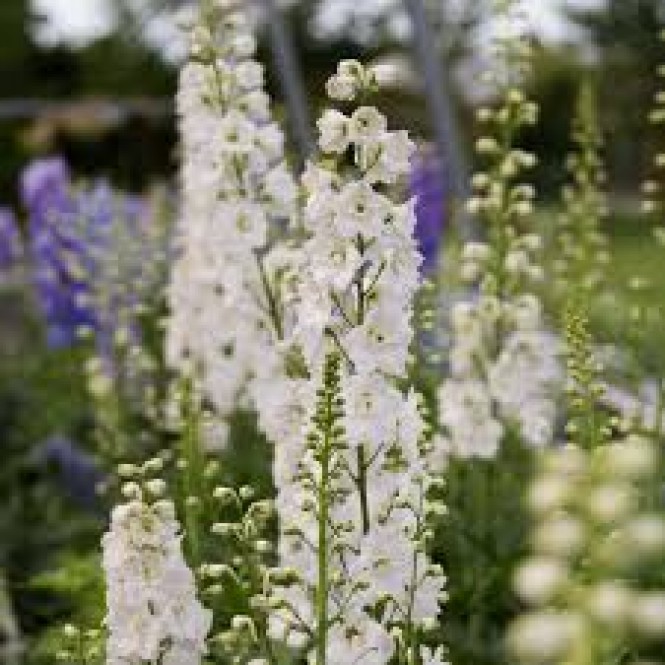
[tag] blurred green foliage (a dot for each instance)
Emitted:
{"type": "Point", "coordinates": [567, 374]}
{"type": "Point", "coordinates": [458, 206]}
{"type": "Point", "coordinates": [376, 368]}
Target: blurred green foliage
{"type": "Point", "coordinates": [629, 53]}
{"type": "Point", "coordinates": [619, 44]}
{"type": "Point", "coordinates": [478, 544]}
{"type": "Point", "coordinates": [41, 393]}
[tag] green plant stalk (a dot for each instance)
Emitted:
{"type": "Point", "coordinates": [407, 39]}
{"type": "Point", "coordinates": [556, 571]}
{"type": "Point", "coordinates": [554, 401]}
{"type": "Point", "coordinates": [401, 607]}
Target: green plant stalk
{"type": "Point", "coordinates": [324, 510]}
{"type": "Point", "coordinates": [193, 474]}
{"type": "Point", "coordinates": [412, 637]}
{"type": "Point", "coordinates": [273, 300]}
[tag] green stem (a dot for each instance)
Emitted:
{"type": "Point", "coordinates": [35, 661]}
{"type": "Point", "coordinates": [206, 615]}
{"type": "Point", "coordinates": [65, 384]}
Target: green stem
{"type": "Point", "coordinates": [323, 582]}
{"type": "Point", "coordinates": [412, 638]}
{"type": "Point", "coordinates": [333, 336]}
{"type": "Point", "coordinates": [193, 473]}
{"type": "Point", "coordinates": [273, 305]}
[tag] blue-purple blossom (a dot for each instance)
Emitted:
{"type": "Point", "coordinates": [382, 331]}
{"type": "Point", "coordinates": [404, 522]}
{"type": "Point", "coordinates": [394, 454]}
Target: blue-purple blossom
{"type": "Point", "coordinates": [428, 186]}
{"type": "Point", "coordinates": [93, 252]}
{"type": "Point", "coordinates": [46, 194]}
{"type": "Point", "coordinates": [10, 239]}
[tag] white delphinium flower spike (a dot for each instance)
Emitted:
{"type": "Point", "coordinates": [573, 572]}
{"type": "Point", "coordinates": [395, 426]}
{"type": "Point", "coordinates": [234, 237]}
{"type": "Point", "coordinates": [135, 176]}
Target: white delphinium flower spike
{"type": "Point", "coordinates": [504, 367]}
{"type": "Point", "coordinates": [153, 614]}
{"type": "Point", "coordinates": [355, 295]}
{"type": "Point", "coordinates": [226, 309]}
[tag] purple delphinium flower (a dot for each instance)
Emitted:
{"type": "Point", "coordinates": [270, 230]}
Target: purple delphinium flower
{"type": "Point", "coordinates": [47, 196]}
{"type": "Point", "coordinates": [10, 239]}
{"type": "Point", "coordinates": [427, 185]}
{"type": "Point", "coordinates": [92, 248]}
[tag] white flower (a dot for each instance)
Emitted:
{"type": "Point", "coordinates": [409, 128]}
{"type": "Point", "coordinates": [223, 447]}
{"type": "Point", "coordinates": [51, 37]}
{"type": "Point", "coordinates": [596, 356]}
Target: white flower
{"type": "Point", "coordinates": [539, 579]}
{"type": "Point", "coordinates": [256, 104]}
{"type": "Point", "coordinates": [234, 133]}
{"type": "Point", "coordinates": [525, 312]}
{"type": "Point", "coordinates": [281, 190]}
{"type": "Point", "coordinates": [646, 534]}
{"type": "Point", "coordinates": [465, 410]}
{"type": "Point", "coordinates": [247, 223]}
{"type": "Point", "coordinates": [549, 493]}
{"type": "Point", "coordinates": [382, 341]}
{"type": "Point", "coordinates": [370, 414]}
{"type": "Point", "coordinates": [560, 535]}
{"type": "Point", "coordinates": [390, 158]}
{"type": "Point", "coordinates": [152, 610]}
{"type": "Point", "coordinates": [517, 262]}
{"type": "Point", "coordinates": [610, 603]}
{"type": "Point", "coordinates": [361, 211]}
{"type": "Point", "coordinates": [648, 614]}
{"type": "Point", "coordinates": [610, 502]}
{"type": "Point", "coordinates": [249, 74]}
{"type": "Point", "coordinates": [633, 458]}
{"type": "Point", "coordinates": [243, 45]}
{"type": "Point", "coordinates": [545, 636]}
{"type": "Point", "coordinates": [366, 126]}
{"type": "Point", "coordinates": [342, 88]}
{"type": "Point", "coordinates": [333, 129]}
{"type": "Point", "coordinates": [476, 251]}
{"type": "Point", "coordinates": [525, 381]}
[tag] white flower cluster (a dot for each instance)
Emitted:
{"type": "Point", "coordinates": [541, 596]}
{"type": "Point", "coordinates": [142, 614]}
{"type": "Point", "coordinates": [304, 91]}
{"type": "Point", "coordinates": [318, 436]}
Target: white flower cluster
{"type": "Point", "coordinates": [523, 380]}
{"type": "Point", "coordinates": [355, 297]}
{"type": "Point", "coordinates": [591, 541]}
{"type": "Point", "coordinates": [153, 613]}
{"type": "Point", "coordinates": [225, 308]}
{"type": "Point", "coordinates": [504, 367]}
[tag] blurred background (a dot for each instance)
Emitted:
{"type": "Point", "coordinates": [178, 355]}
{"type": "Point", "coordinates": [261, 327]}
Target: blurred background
{"type": "Point", "coordinates": [93, 79]}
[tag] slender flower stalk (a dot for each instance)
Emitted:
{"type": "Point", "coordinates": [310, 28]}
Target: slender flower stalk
{"type": "Point", "coordinates": [653, 205]}
{"type": "Point", "coordinates": [326, 441]}
{"type": "Point", "coordinates": [584, 390]}
{"type": "Point", "coordinates": [503, 365]}
{"type": "Point", "coordinates": [581, 247]}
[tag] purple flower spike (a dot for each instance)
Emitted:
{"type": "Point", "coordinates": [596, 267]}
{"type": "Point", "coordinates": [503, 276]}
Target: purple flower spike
{"type": "Point", "coordinates": [428, 186]}
{"type": "Point", "coordinates": [93, 252]}
{"type": "Point", "coordinates": [47, 196]}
